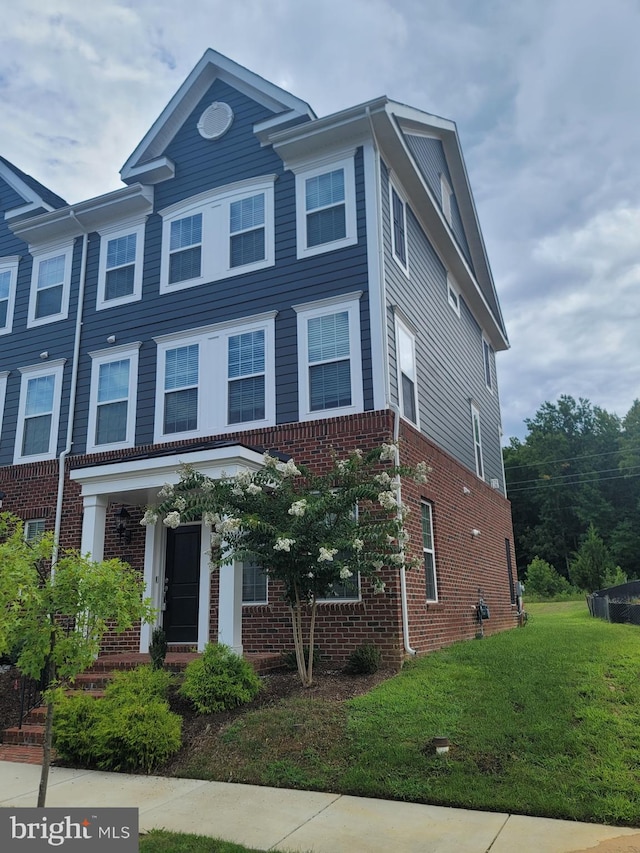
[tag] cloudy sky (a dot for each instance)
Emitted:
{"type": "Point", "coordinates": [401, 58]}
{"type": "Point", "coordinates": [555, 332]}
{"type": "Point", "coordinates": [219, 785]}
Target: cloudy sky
{"type": "Point", "coordinates": [545, 93]}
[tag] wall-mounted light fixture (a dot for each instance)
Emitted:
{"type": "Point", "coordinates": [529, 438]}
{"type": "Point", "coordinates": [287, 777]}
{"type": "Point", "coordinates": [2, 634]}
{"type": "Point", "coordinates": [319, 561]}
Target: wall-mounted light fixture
{"type": "Point", "coordinates": [122, 518]}
{"type": "Point", "coordinates": [44, 354]}
{"type": "Point", "coordinates": [111, 339]}
{"type": "Point", "coordinates": [466, 490]}
{"type": "Point", "coordinates": [475, 532]}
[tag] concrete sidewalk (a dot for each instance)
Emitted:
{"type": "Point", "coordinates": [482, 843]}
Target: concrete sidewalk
{"type": "Point", "coordinates": [287, 820]}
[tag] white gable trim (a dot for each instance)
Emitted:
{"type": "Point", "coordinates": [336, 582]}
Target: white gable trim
{"type": "Point", "coordinates": [31, 197]}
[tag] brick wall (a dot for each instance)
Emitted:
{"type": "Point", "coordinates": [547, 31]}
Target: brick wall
{"type": "Point", "coordinates": [463, 563]}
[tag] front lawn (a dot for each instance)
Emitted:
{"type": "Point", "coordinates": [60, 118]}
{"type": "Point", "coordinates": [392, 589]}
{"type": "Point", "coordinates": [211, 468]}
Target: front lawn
{"type": "Point", "coordinates": [543, 720]}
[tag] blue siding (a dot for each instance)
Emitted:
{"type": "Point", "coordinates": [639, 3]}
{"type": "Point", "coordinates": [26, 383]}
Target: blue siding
{"type": "Point", "coordinates": [448, 350]}
{"type": "Point", "coordinates": [429, 155]}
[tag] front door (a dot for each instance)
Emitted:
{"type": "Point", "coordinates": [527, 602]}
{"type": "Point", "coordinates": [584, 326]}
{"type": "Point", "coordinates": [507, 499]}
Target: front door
{"type": "Point", "coordinates": [182, 584]}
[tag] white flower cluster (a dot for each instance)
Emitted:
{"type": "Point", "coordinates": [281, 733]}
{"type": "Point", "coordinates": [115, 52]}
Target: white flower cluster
{"type": "Point", "coordinates": [341, 466]}
{"type": "Point", "coordinates": [298, 508]}
{"type": "Point", "coordinates": [211, 518]}
{"type": "Point", "coordinates": [166, 491]}
{"type": "Point", "coordinates": [208, 485]}
{"type": "Point", "coordinates": [253, 489]}
{"type": "Point", "coordinates": [388, 453]}
{"type": "Point", "coordinates": [228, 525]}
{"type": "Point", "coordinates": [180, 503]}
{"type": "Point", "coordinates": [288, 469]}
{"type": "Point", "coordinates": [327, 555]}
{"type": "Point", "coordinates": [150, 517]}
{"type": "Point", "coordinates": [398, 559]}
{"type": "Point", "coordinates": [237, 490]}
{"type": "Point", "coordinates": [345, 573]}
{"type": "Point", "coordinates": [358, 544]}
{"type": "Point", "coordinates": [383, 479]}
{"type": "Point", "coordinates": [283, 544]}
{"type": "Point", "coordinates": [269, 461]}
{"type": "Point", "coordinates": [172, 519]}
{"type": "Point", "coordinates": [378, 585]}
{"type": "Point", "coordinates": [421, 472]}
{"type": "Point", "coordinates": [387, 500]}
{"type": "Point", "coordinates": [377, 565]}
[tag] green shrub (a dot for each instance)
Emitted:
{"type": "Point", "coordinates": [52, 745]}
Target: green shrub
{"type": "Point", "coordinates": [365, 660]}
{"type": "Point", "coordinates": [74, 722]}
{"type": "Point", "coordinates": [289, 658]}
{"type": "Point", "coordinates": [136, 736]}
{"type": "Point", "coordinates": [142, 684]}
{"type": "Point", "coordinates": [544, 581]}
{"type": "Point", "coordinates": [158, 647]}
{"type": "Point", "coordinates": [219, 679]}
{"type": "Point", "coordinates": [130, 729]}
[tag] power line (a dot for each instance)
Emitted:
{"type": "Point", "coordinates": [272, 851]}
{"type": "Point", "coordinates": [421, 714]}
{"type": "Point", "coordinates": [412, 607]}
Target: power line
{"type": "Point", "coordinates": [573, 474]}
{"type": "Point", "coordinates": [548, 485]}
{"type": "Point", "coordinates": [570, 458]}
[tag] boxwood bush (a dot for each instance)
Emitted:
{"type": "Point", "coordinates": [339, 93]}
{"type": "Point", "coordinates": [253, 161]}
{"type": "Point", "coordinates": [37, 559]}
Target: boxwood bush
{"type": "Point", "coordinates": [219, 680]}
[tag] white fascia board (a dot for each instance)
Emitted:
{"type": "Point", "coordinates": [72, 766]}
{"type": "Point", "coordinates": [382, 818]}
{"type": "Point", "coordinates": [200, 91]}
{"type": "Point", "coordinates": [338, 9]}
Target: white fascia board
{"type": "Point", "coordinates": [86, 216]}
{"type": "Point", "coordinates": [153, 172]}
{"type": "Point", "coordinates": [150, 474]}
{"type": "Point", "coordinates": [22, 189]}
{"type": "Point", "coordinates": [212, 66]}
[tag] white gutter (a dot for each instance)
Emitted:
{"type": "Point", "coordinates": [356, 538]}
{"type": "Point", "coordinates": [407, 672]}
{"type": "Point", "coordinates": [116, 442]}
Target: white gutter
{"type": "Point", "coordinates": [72, 401]}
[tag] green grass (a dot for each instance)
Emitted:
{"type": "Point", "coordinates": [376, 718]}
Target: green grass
{"type": "Point", "coordinates": [161, 841]}
{"type": "Point", "coordinates": [543, 720]}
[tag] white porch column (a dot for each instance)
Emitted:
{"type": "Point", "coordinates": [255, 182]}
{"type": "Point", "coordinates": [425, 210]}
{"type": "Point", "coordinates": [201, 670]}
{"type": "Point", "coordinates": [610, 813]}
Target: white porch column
{"type": "Point", "coordinates": [93, 525]}
{"type": "Point", "coordinates": [230, 606]}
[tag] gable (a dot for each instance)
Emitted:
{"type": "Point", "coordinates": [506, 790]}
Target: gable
{"type": "Point", "coordinates": [150, 162]}
{"type": "Point", "coordinates": [22, 194]}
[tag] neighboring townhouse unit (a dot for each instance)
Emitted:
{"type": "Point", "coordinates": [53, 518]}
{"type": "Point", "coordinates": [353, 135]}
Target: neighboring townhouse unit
{"type": "Point", "coordinates": [265, 280]}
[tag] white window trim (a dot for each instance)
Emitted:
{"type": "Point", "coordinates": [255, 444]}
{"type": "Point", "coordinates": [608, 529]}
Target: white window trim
{"type": "Point", "coordinates": [477, 445]}
{"type": "Point", "coordinates": [486, 364]}
{"type": "Point", "coordinates": [262, 602]}
{"type": "Point", "coordinates": [28, 537]}
{"type": "Point", "coordinates": [4, 374]}
{"type": "Point", "coordinates": [56, 369]}
{"type": "Point", "coordinates": [40, 255]}
{"type": "Point", "coordinates": [214, 205]}
{"type": "Point", "coordinates": [10, 264]}
{"type": "Point", "coordinates": [213, 352]}
{"type": "Point", "coordinates": [393, 187]}
{"type": "Point", "coordinates": [400, 324]}
{"type": "Point", "coordinates": [432, 551]}
{"type": "Point", "coordinates": [445, 193]}
{"type": "Point", "coordinates": [350, 303]}
{"type": "Point", "coordinates": [452, 288]}
{"type": "Point", "coordinates": [98, 358]}
{"type": "Point", "coordinates": [136, 227]}
{"type": "Point", "coordinates": [312, 170]}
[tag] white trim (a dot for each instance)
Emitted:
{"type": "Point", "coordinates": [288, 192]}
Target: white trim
{"type": "Point", "coordinates": [33, 200]}
{"type": "Point", "coordinates": [39, 257]}
{"type": "Point", "coordinates": [212, 342]}
{"type": "Point", "coordinates": [4, 374]}
{"type": "Point", "coordinates": [486, 363]}
{"type": "Point", "coordinates": [137, 228]}
{"type": "Point", "coordinates": [10, 264]}
{"type": "Point", "coordinates": [394, 188]}
{"type": "Point", "coordinates": [351, 304]}
{"type": "Point", "coordinates": [314, 169]}
{"type": "Point", "coordinates": [215, 246]}
{"type": "Point", "coordinates": [125, 352]}
{"type": "Point", "coordinates": [401, 327]}
{"type": "Point", "coordinates": [263, 601]}
{"type": "Point", "coordinates": [445, 198]}
{"type": "Point", "coordinates": [55, 369]}
{"type": "Point", "coordinates": [477, 442]}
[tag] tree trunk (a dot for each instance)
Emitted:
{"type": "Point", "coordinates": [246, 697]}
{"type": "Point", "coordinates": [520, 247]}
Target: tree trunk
{"type": "Point", "coordinates": [48, 736]}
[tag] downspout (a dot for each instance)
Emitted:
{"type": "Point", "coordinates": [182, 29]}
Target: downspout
{"type": "Point", "coordinates": [396, 411]}
{"type": "Point", "coordinates": [72, 399]}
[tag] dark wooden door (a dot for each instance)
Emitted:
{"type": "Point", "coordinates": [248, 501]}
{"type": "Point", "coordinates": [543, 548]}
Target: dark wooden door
{"type": "Point", "coordinates": [182, 584]}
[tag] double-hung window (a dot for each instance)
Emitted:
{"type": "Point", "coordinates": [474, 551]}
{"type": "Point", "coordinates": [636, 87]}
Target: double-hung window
{"type": "Point", "coordinates": [120, 268]}
{"type": "Point", "coordinates": [329, 357]}
{"type": "Point", "coordinates": [50, 284]}
{"type": "Point", "coordinates": [34, 529]}
{"type": "Point", "coordinates": [399, 228]}
{"type": "Point", "coordinates": [407, 374]}
{"type": "Point", "coordinates": [112, 406]}
{"type": "Point", "coordinates": [428, 551]}
{"type": "Point", "coordinates": [39, 412]}
{"type": "Point", "coordinates": [215, 379]}
{"type": "Point", "coordinates": [486, 363]}
{"type": "Point", "coordinates": [254, 584]}
{"type": "Point", "coordinates": [220, 233]}
{"type": "Point", "coordinates": [477, 440]}
{"type": "Point", "coordinates": [8, 278]}
{"type": "Point", "coordinates": [325, 206]}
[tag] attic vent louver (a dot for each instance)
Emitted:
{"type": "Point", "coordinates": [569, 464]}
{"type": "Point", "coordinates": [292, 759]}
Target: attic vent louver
{"type": "Point", "coordinates": [215, 121]}
{"type": "Point", "coordinates": [495, 483]}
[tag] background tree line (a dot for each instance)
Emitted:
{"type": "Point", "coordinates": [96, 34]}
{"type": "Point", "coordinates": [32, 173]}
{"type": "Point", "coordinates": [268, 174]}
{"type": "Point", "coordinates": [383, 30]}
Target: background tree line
{"type": "Point", "coordinates": [574, 486]}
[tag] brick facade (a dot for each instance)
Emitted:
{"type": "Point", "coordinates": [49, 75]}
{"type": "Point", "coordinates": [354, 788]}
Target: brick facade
{"type": "Point", "coordinates": [460, 501]}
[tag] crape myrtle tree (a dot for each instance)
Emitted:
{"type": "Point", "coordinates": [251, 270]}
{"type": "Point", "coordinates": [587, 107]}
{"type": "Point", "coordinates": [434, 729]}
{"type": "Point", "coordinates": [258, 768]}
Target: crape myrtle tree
{"type": "Point", "coordinates": [53, 620]}
{"type": "Point", "coordinates": [309, 531]}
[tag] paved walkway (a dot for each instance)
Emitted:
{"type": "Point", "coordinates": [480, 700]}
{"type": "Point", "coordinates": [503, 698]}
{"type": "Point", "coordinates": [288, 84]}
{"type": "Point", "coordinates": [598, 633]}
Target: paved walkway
{"type": "Point", "coordinates": [277, 818]}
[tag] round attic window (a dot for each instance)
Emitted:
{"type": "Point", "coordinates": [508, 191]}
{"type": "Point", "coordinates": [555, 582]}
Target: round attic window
{"type": "Point", "coordinates": [215, 121]}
